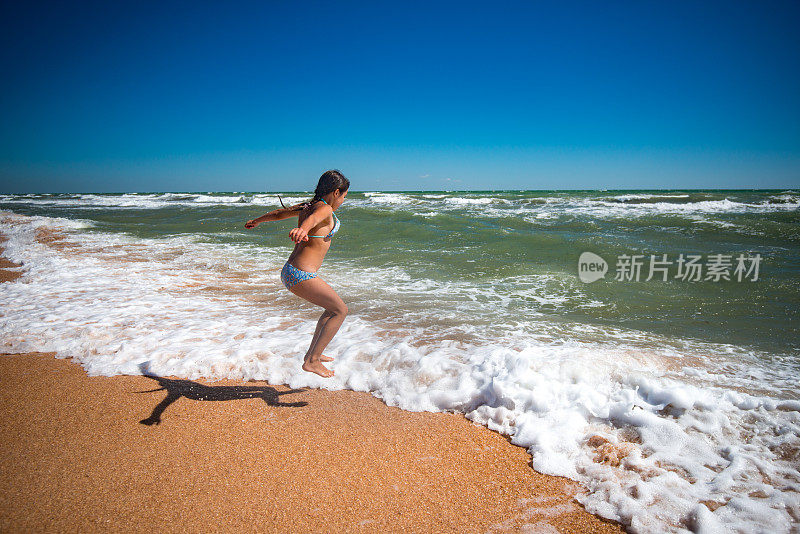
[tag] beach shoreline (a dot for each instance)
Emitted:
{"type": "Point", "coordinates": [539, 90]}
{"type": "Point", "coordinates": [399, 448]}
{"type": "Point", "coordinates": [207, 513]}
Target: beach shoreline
{"type": "Point", "coordinates": [86, 453]}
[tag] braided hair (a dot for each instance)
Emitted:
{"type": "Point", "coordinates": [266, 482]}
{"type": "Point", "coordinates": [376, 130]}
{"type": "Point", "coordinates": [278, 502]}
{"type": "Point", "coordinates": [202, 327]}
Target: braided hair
{"type": "Point", "coordinates": [329, 181]}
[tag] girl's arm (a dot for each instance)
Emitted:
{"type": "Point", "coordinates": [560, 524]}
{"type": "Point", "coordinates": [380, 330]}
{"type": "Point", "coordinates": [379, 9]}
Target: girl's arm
{"type": "Point", "coordinates": [320, 213]}
{"type": "Point", "coordinates": [274, 215]}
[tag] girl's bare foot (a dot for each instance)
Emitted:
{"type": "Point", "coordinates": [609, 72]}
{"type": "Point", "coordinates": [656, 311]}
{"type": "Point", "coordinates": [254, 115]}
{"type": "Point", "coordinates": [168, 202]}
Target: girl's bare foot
{"type": "Point", "coordinates": [324, 358]}
{"type": "Point", "coordinates": [317, 367]}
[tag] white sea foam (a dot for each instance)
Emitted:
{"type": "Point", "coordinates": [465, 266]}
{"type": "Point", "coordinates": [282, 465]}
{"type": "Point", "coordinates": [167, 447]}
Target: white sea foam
{"type": "Point", "coordinates": [701, 219]}
{"type": "Point", "coordinates": [648, 196]}
{"type": "Point", "coordinates": [462, 201]}
{"type": "Point", "coordinates": [660, 432]}
{"type": "Point", "coordinates": [397, 199]}
{"type": "Point", "coordinates": [220, 199]}
{"type": "Point", "coordinates": [789, 197]}
{"type": "Point", "coordinates": [533, 209]}
{"type": "Point", "coordinates": [606, 209]}
{"type": "Point", "coordinates": [549, 208]}
{"type": "Point", "coordinates": [271, 199]}
{"type": "Point", "coordinates": [149, 200]}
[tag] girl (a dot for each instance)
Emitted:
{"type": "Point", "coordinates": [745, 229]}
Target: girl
{"type": "Point", "coordinates": [316, 225]}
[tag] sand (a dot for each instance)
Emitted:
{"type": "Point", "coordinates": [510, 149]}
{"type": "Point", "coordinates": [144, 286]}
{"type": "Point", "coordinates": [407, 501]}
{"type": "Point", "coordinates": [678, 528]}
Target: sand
{"type": "Point", "coordinates": [6, 275]}
{"type": "Point", "coordinates": [90, 454]}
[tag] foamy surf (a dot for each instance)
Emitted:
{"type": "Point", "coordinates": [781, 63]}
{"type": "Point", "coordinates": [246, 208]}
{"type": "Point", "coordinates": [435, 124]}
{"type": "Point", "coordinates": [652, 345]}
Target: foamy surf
{"type": "Point", "coordinates": [664, 435]}
{"type": "Point", "coordinates": [638, 204]}
{"type": "Point", "coordinates": [147, 200]}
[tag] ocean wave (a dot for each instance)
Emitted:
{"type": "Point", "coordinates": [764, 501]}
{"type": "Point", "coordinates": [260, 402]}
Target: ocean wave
{"type": "Point", "coordinates": [621, 206]}
{"type": "Point", "coordinates": [491, 206]}
{"type": "Point", "coordinates": [634, 197]}
{"type": "Point", "coordinates": [401, 199]}
{"type": "Point", "coordinates": [127, 201]}
{"type": "Point", "coordinates": [273, 201]}
{"type": "Point", "coordinates": [700, 219]}
{"type": "Point", "coordinates": [602, 207]}
{"type": "Point", "coordinates": [785, 198]}
{"type": "Point", "coordinates": [461, 201]}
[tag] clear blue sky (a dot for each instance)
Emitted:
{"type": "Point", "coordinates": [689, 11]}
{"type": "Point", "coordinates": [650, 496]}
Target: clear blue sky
{"type": "Point", "coordinates": [166, 96]}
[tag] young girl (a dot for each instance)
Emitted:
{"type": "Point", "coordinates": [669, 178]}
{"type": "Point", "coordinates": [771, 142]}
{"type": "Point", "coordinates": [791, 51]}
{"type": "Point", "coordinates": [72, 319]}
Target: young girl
{"type": "Point", "coordinates": [317, 223]}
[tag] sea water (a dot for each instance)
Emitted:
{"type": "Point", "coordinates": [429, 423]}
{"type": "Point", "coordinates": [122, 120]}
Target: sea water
{"type": "Point", "coordinates": [674, 402]}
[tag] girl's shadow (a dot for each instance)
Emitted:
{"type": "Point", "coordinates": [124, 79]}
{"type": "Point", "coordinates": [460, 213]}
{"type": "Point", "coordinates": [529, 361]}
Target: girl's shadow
{"type": "Point", "coordinates": [192, 390]}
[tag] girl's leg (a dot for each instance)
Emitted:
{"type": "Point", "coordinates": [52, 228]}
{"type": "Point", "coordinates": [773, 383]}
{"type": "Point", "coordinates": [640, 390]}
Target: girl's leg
{"type": "Point", "coordinates": [318, 292]}
{"type": "Point", "coordinates": [323, 318]}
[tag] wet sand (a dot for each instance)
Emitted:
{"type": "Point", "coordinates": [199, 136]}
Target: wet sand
{"type": "Point", "coordinates": [85, 453]}
{"type": "Point", "coordinates": [6, 275]}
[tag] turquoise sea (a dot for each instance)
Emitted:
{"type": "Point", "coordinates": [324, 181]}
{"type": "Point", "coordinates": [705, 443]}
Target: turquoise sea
{"type": "Point", "coordinates": [516, 252]}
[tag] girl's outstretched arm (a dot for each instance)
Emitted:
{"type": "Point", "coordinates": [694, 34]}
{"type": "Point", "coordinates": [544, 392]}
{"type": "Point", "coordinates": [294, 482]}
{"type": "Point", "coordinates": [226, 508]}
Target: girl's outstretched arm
{"type": "Point", "coordinates": [274, 215]}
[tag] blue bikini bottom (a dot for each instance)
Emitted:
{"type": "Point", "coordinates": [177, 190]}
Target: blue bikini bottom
{"type": "Point", "coordinates": [291, 275]}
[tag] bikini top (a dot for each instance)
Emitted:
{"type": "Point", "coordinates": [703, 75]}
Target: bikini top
{"type": "Point", "coordinates": [335, 225]}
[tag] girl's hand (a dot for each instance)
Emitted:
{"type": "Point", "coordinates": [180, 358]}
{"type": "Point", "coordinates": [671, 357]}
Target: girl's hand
{"type": "Point", "coordinates": [250, 224]}
{"type": "Point", "coordinates": [298, 234]}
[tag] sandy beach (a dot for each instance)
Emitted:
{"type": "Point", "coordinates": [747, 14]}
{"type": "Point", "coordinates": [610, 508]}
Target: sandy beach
{"type": "Point", "coordinates": [89, 454]}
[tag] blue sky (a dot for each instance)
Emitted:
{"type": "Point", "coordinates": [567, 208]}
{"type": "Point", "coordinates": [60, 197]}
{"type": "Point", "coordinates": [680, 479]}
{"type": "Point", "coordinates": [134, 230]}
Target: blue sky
{"type": "Point", "coordinates": [167, 96]}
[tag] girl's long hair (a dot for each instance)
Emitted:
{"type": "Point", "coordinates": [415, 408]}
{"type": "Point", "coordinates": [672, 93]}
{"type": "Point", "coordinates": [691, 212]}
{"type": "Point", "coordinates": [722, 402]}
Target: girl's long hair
{"type": "Point", "coordinates": [329, 181]}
